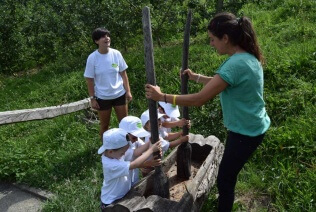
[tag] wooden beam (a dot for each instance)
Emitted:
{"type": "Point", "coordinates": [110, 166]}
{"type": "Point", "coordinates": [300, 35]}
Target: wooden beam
{"type": "Point", "coordinates": [185, 150]}
{"type": "Point", "coordinates": [14, 116]}
{"type": "Point", "coordinates": [161, 181]}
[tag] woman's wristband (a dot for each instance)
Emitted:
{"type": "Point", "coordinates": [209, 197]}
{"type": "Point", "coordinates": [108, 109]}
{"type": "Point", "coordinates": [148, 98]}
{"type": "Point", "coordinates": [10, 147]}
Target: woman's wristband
{"type": "Point", "coordinates": [198, 78]}
{"type": "Point", "coordinates": [174, 100]}
{"type": "Point", "coordinates": [165, 97]}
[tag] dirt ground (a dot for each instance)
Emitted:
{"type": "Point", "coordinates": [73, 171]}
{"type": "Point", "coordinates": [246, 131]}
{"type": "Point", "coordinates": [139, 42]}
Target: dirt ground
{"type": "Point", "coordinates": [251, 201]}
{"type": "Point", "coordinates": [178, 186]}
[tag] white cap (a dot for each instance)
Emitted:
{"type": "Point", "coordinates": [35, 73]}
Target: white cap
{"type": "Point", "coordinates": [171, 110]}
{"type": "Point", "coordinates": [133, 125]}
{"type": "Point", "coordinates": [145, 117]}
{"type": "Point", "coordinates": [113, 139]}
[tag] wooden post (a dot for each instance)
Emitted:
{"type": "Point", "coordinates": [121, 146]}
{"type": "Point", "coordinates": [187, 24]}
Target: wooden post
{"type": "Point", "coordinates": [185, 150]}
{"type": "Point", "coordinates": [161, 182]}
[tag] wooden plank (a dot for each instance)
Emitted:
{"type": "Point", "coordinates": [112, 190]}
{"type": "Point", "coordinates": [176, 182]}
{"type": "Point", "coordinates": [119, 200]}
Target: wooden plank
{"type": "Point", "coordinates": [42, 113]}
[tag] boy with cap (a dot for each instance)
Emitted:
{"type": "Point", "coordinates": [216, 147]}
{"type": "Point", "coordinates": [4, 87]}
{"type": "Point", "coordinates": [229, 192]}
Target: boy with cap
{"type": "Point", "coordinates": [117, 180]}
{"type": "Point", "coordinates": [170, 120]}
{"type": "Point", "coordinates": [165, 145]}
{"type": "Point", "coordinates": [135, 131]}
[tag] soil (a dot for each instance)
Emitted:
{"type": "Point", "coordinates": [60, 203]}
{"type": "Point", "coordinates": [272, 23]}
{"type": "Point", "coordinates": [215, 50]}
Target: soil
{"type": "Point", "coordinates": [178, 186]}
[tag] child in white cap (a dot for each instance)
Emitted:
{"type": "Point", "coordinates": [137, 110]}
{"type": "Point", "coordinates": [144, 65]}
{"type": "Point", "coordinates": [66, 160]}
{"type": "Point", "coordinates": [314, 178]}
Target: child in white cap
{"type": "Point", "coordinates": [135, 131]}
{"type": "Point", "coordinates": [165, 145]}
{"type": "Point", "coordinates": [116, 174]}
{"type": "Point", "coordinates": [171, 120]}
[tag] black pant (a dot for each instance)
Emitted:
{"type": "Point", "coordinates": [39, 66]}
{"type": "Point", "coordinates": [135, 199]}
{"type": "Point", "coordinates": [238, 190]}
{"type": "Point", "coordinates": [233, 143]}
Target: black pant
{"type": "Point", "coordinates": [238, 150]}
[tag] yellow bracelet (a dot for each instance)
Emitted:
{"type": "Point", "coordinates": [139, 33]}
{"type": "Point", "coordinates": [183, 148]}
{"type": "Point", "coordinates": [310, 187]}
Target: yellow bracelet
{"type": "Point", "coordinates": [174, 100]}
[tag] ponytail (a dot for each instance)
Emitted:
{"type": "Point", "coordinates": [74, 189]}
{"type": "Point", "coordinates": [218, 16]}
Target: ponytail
{"type": "Point", "coordinates": [239, 30]}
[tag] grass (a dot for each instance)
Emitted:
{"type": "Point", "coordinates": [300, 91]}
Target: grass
{"type": "Point", "coordinates": [60, 154]}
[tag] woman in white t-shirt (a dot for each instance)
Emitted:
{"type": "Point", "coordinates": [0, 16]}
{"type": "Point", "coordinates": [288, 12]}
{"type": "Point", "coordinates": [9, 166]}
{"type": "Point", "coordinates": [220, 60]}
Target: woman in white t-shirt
{"type": "Point", "coordinates": [107, 80]}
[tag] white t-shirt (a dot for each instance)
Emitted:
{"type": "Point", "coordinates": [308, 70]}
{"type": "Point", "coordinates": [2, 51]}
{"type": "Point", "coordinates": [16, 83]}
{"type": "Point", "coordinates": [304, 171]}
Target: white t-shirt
{"type": "Point", "coordinates": [116, 182]}
{"type": "Point", "coordinates": [105, 70]}
{"type": "Point", "coordinates": [134, 173]}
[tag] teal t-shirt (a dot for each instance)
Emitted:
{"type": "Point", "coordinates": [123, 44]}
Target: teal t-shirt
{"type": "Point", "coordinates": [242, 101]}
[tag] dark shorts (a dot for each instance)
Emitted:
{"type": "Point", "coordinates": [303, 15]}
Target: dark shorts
{"type": "Point", "coordinates": [103, 206]}
{"type": "Point", "coordinates": [106, 104]}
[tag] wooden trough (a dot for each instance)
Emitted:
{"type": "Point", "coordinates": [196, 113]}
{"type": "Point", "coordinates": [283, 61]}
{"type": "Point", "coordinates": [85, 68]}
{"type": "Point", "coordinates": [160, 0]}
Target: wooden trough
{"type": "Point", "coordinates": [185, 195]}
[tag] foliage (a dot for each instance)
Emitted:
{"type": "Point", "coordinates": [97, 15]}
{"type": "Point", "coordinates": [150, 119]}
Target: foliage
{"type": "Point", "coordinates": [37, 32]}
{"type": "Point", "coordinates": [43, 48]}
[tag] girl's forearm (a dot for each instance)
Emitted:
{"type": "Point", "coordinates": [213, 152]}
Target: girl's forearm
{"type": "Point", "coordinates": [90, 85]}
{"type": "Point", "coordinates": [125, 81]}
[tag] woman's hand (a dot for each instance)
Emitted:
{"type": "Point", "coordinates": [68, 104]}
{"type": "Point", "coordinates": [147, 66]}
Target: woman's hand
{"type": "Point", "coordinates": [153, 92]}
{"type": "Point", "coordinates": [94, 104]}
{"type": "Point", "coordinates": [128, 96]}
{"type": "Point", "coordinates": [191, 74]}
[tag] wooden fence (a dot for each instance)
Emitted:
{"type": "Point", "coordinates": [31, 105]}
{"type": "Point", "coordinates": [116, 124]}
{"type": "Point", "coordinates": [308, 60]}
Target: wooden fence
{"type": "Point", "coordinates": [14, 116]}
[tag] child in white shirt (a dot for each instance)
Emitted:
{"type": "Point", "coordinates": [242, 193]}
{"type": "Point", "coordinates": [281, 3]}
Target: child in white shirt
{"type": "Point", "coordinates": [165, 145]}
{"type": "Point", "coordinates": [116, 174]}
{"type": "Point", "coordinates": [135, 131]}
{"type": "Point", "coordinates": [170, 120]}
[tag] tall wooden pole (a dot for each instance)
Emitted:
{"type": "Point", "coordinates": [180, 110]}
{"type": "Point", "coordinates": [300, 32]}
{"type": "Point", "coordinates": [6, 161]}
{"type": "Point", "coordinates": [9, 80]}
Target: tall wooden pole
{"type": "Point", "coordinates": [184, 151]}
{"type": "Point", "coordinates": [161, 182]}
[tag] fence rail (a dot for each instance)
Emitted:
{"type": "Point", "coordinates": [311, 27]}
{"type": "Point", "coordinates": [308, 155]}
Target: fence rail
{"type": "Point", "coordinates": [14, 116]}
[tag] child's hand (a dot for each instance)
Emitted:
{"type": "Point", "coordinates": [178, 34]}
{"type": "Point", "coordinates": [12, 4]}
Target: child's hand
{"type": "Point", "coordinates": [184, 138]}
{"type": "Point", "coordinates": [184, 122]}
{"type": "Point", "coordinates": [153, 162]}
{"type": "Point", "coordinates": [156, 146]}
{"type": "Point", "coordinates": [189, 124]}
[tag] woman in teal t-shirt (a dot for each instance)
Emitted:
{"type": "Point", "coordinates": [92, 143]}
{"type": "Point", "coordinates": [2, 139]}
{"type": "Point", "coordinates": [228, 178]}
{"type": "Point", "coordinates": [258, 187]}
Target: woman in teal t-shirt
{"type": "Point", "coordinates": [239, 81]}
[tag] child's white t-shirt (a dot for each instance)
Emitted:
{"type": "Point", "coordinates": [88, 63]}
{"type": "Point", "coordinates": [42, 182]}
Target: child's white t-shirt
{"type": "Point", "coordinates": [129, 156]}
{"type": "Point", "coordinates": [105, 69]}
{"type": "Point", "coordinates": [116, 182]}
